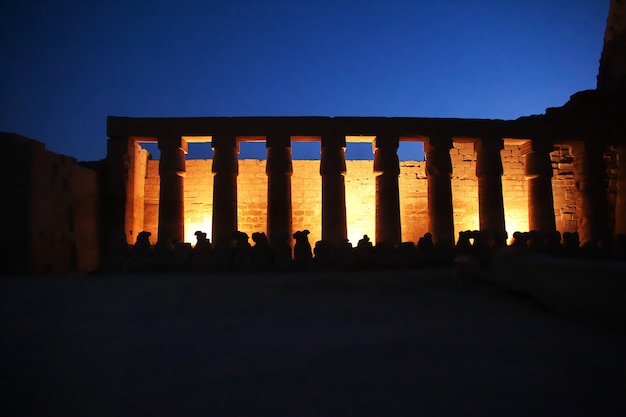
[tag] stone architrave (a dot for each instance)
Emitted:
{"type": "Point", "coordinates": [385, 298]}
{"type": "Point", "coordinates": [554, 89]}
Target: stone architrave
{"type": "Point", "coordinates": [538, 172]}
{"type": "Point", "coordinates": [225, 170]}
{"type": "Point", "coordinates": [387, 170]}
{"type": "Point", "coordinates": [172, 189]}
{"type": "Point", "coordinates": [591, 185]}
{"type": "Point", "coordinates": [490, 201]}
{"type": "Point", "coordinates": [279, 170]}
{"type": "Point", "coordinates": [439, 173]}
{"type": "Point", "coordinates": [333, 171]}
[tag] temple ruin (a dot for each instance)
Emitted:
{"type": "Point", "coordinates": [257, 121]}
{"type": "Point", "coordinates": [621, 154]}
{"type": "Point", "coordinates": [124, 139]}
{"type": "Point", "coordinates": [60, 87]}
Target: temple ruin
{"type": "Point", "coordinates": [559, 171]}
{"type": "Point", "coordinates": [478, 174]}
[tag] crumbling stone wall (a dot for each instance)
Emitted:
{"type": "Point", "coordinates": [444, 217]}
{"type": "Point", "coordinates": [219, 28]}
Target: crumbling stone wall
{"type": "Point", "coordinates": [51, 211]}
{"type": "Point", "coordinates": [151, 198]}
{"type": "Point", "coordinates": [564, 189]}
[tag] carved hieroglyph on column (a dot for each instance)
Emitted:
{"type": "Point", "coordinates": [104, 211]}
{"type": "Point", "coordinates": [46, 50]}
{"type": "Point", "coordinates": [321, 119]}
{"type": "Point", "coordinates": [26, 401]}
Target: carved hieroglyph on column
{"type": "Point", "coordinates": [538, 172]}
{"type": "Point", "coordinates": [591, 184]}
{"type": "Point", "coordinates": [489, 173]}
{"type": "Point", "coordinates": [172, 191]}
{"type": "Point", "coordinates": [279, 169]}
{"type": "Point", "coordinates": [225, 170]}
{"type": "Point", "coordinates": [439, 173]}
{"type": "Point", "coordinates": [333, 171]}
{"type": "Point", "coordinates": [387, 170]}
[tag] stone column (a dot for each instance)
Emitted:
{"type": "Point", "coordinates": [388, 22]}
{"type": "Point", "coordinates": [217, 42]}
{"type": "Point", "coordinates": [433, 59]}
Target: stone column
{"type": "Point", "coordinates": [538, 172]}
{"type": "Point", "coordinates": [620, 202]}
{"type": "Point", "coordinates": [439, 173]}
{"type": "Point", "coordinates": [279, 170]}
{"type": "Point", "coordinates": [172, 191]}
{"type": "Point", "coordinates": [490, 202]}
{"type": "Point", "coordinates": [333, 171]}
{"type": "Point", "coordinates": [387, 170]}
{"type": "Point", "coordinates": [115, 199]}
{"type": "Point", "coordinates": [225, 170]}
{"type": "Point", "coordinates": [591, 184]}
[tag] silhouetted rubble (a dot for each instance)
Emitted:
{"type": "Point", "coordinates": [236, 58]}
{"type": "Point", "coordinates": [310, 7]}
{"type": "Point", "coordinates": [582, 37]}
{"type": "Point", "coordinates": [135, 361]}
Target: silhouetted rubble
{"type": "Point", "coordinates": [262, 256]}
{"type": "Point", "coordinates": [302, 256]}
{"type": "Point", "coordinates": [474, 250]}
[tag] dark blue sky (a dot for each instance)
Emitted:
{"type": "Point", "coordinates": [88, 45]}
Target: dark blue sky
{"type": "Point", "coordinates": [66, 65]}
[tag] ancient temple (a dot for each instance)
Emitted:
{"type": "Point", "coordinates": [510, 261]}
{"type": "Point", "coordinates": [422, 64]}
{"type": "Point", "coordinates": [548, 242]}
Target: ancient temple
{"type": "Point", "coordinates": [559, 171]}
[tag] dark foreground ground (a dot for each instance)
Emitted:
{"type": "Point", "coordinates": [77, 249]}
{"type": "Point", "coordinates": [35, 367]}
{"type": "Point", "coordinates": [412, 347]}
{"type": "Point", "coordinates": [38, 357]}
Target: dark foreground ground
{"type": "Point", "coordinates": [375, 344]}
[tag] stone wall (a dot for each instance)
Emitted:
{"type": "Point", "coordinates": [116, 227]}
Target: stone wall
{"type": "Point", "coordinates": [564, 189]}
{"type": "Point", "coordinates": [52, 218]}
{"type": "Point", "coordinates": [151, 198]}
{"type": "Point", "coordinates": [464, 187]}
{"type": "Point", "coordinates": [360, 195]}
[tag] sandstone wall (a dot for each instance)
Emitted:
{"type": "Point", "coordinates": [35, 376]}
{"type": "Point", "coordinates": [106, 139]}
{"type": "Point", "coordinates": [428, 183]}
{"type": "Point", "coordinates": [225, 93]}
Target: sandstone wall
{"type": "Point", "coordinates": [85, 204]}
{"type": "Point", "coordinates": [564, 189]}
{"type": "Point", "coordinates": [52, 218]}
{"type": "Point", "coordinates": [151, 198]}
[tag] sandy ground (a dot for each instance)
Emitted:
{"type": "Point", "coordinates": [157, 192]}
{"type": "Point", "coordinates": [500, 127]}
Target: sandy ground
{"type": "Point", "coordinates": [351, 344]}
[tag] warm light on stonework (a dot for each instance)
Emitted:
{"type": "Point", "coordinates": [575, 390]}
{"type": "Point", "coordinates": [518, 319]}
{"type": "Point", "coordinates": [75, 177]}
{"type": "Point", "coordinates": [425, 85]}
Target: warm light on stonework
{"type": "Point", "coordinates": [192, 227]}
{"type": "Point", "coordinates": [360, 191]}
{"type": "Point", "coordinates": [360, 201]}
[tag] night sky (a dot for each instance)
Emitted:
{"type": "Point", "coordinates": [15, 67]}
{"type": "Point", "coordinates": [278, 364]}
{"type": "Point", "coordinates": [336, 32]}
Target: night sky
{"type": "Point", "coordinates": [66, 65]}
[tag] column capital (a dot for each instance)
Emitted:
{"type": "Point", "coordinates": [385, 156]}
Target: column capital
{"type": "Point", "coordinates": [488, 159]}
{"type": "Point", "coordinates": [333, 159]}
{"type": "Point", "coordinates": [390, 142]}
{"type": "Point", "coordinates": [438, 160]}
{"type": "Point", "coordinates": [386, 155]}
{"type": "Point", "coordinates": [224, 141]}
{"type": "Point", "coordinates": [171, 142]}
{"type": "Point", "coordinates": [333, 139]}
{"type": "Point", "coordinates": [225, 150]}
{"type": "Point", "coordinates": [438, 142]}
{"type": "Point", "coordinates": [172, 160]}
{"type": "Point", "coordinates": [489, 143]}
{"type": "Point", "coordinates": [537, 164]}
{"type": "Point", "coordinates": [536, 145]}
{"type": "Point", "coordinates": [278, 141]}
{"type": "Point", "coordinates": [279, 160]}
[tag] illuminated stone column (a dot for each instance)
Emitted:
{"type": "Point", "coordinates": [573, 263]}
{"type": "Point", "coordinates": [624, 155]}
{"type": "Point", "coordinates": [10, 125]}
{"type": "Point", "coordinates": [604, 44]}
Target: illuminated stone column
{"type": "Point", "coordinates": [225, 170]}
{"type": "Point", "coordinates": [279, 170]}
{"type": "Point", "coordinates": [538, 172]}
{"type": "Point", "coordinates": [620, 203]}
{"type": "Point", "coordinates": [439, 173]}
{"type": "Point", "coordinates": [591, 186]}
{"type": "Point", "coordinates": [172, 191]}
{"type": "Point", "coordinates": [333, 171]}
{"type": "Point", "coordinates": [490, 202]}
{"type": "Point", "coordinates": [387, 170]}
